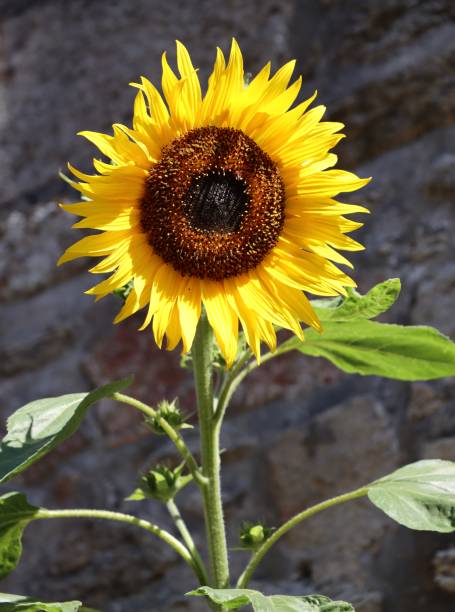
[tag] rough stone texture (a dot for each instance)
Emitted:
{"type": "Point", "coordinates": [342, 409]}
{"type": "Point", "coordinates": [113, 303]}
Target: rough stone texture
{"type": "Point", "coordinates": [341, 449]}
{"type": "Point", "coordinates": [444, 569]}
{"type": "Point", "coordinates": [66, 65]}
{"type": "Point", "coordinates": [299, 430]}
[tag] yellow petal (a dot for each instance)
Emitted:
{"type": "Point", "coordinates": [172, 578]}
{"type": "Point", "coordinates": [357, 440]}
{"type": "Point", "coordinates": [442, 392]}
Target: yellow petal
{"type": "Point", "coordinates": [136, 299]}
{"type": "Point", "coordinates": [119, 279]}
{"type": "Point", "coordinates": [215, 79]}
{"type": "Point", "coordinates": [165, 289]}
{"type": "Point", "coordinates": [189, 309]}
{"type": "Point", "coordinates": [104, 144]}
{"type": "Point", "coordinates": [187, 71]}
{"type": "Point", "coordinates": [123, 220]}
{"type": "Point", "coordinates": [94, 246]}
{"type": "Point", "coordinates": [292, 299]}
{"type": "Point", "coordinates": [173, 331]}
{"type": "Point", "coordinates": [222, 318]}
{"type": "Point", "coordinates": [255, 327]}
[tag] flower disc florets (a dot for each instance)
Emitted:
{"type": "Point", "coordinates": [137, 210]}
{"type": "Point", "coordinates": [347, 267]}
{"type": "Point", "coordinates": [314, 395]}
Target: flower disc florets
{"type": "Point", "coordinates": [213, 205]}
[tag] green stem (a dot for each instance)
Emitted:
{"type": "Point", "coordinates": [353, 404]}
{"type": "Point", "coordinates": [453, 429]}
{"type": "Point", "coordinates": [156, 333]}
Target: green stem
{"type": "Point", "coordinates": [188, 540]}
{"type": "Point", "coordinates": [122, 518]}
{"type": "Point", "coordinates": [295, 520]}
{"type": "Point", "coordinates": [175, 437]}
{"type": "Point", "coordinates": [233, 378]}
{"type": "Point", "coordinates": [202, 353]}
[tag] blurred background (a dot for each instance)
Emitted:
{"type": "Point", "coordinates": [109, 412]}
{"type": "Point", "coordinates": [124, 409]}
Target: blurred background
{"type": "Point", "coordinates": [299, 430]}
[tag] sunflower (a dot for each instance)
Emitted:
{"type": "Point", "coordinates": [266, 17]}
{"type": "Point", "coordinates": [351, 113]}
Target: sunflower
{"type": "Point", "coordinates": [223, 201]}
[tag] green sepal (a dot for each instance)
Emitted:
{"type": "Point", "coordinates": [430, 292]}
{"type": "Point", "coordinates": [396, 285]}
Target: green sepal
{"type": "Point", "coordinates": [38, 427]}
{"type": "Point", "coordinates": [247, 78]}
{"type": "Point", "coordinates": [420, 495]}
{"type": "Point", "coordinates": [356, 306]}
{"type": "Point", "coordinates": [186, 361]}
{"type": "Point", "coordinates": [123, 292]}
{"type": "Point", "coordinates": [161, 483]}
{"type": "Point", "coordinates": [371, 348]}
{"type": "Point", "coordinates": [233, 599]}
{"type": "Point", "coordinates": [19, 603]}
{"type": "Point", "coordinates": [15, 514]}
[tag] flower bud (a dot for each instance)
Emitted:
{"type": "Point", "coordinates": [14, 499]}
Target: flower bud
{"type": "Point", "coordinates": [170, 412]}
{"type": "Point", "coordinates": [161, 483]}
{"type": "Point", "coordinates": [252, 535]}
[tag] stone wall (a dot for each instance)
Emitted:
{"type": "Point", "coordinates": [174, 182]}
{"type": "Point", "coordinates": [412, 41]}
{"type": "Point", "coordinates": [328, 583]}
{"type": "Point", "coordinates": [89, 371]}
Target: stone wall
{"type": "Point", "coordinates": [385, 68]}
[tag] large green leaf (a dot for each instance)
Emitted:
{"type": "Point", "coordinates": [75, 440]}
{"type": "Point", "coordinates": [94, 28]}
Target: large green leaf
{"type": "Point", "coordinates": [379, 349]}
{"type": "Point", "coordinates": [19, 603]}
{"type": "Point", "coordinates": [40, 426]}
{"type": "Point", "coordinates": [355, 306]}
{"type": "Point", "coordinates": [233, 599]}
{"type": "Point", "coordinates": [419, 496]}
{"type": "Point", "coordinates": [15, 513]}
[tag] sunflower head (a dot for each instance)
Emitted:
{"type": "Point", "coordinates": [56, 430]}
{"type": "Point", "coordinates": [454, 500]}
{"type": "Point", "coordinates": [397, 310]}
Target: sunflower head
{"type": "Point", "coordinates": [224, 201]}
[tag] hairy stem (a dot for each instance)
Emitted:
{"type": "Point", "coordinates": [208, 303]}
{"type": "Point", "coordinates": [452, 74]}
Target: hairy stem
{"type": "Point", "coordinates": [295, 520]}
{"type": "Point", "coordinates": [230, 384]}
{"type": "Point", "coordinates": [122, 518]}
{"type": "Point", "coordinates": [173, 434]}
{"type": "Point", "coordinates": [202, 353]}
{"type": "Point", "coordinates": [188, 540]}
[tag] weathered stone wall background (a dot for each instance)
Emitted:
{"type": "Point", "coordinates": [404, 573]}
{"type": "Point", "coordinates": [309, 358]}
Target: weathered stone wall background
{"type": "Point", "coordinates": [300, 430]}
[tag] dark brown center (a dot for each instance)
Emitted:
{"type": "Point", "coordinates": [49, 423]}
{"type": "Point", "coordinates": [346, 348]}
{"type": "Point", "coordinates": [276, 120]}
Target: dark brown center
{"type": "Point", "coordinates": [213, 206]}
{"type": "Point", "coordinates": [216, 202]}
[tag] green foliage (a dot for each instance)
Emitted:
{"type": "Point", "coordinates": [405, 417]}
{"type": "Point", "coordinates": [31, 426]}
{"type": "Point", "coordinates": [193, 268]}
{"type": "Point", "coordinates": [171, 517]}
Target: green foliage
{"type": "Point", "coordinates": [359, 346]}
{"type": "Point", "coordinates": [38, 427]}
{"type": "Point", "coordinates": [379, 349]}
{"type": "Point", "coordinates": [19, 603]}
{"type": "Point", "coordinates": [419, 496]}
{"type": "Point", "coordinates": [233, 599]}
{"type": "Point", "coordinates": [355, 306]}
{"type": "Point", "coordinates": [15, 513]}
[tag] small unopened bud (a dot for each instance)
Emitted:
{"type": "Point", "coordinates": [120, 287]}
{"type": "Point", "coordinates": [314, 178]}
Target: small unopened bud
{"type": "Point", "coordinates": [252, 535]}
{"type": "Point", "coordinates": [169, 412]}
{"type": "Point", "coordinates": [161, 483]}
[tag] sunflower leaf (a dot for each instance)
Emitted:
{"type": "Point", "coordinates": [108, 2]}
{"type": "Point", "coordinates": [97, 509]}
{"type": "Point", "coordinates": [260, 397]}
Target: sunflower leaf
{"type": "Point", "coordinates": [355, 306]}
{"type": "Point", "coordinates": [371, 348]}
{"type": "Point", "coordinates": [233, 599]}
{"type": "Point", "coordinates": [19, 603]}
{"type": "Point", "coordinates": [38, 427]}
{"type": "Point", "coordinates": [15, 513]}
{"type": "Point", "coordinates": [419, 496]}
